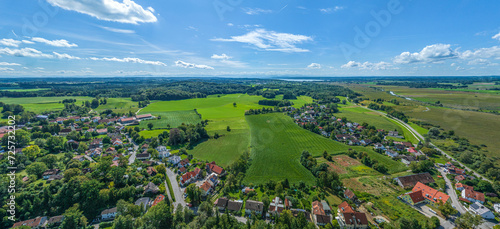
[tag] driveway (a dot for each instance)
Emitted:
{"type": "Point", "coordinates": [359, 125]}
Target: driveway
{"type": "Point", "coordinates": [178, 192]}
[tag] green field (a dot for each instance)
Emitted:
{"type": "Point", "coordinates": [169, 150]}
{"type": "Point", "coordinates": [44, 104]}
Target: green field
{"type": "Point", "coordinates": [119, 105]}
{"type": "Point", "coordinates": [41, 104]}
{"type": "Point", "coordinates": [360, 115]}
{"type": "Point", "coordinates": [172, 118]}
{"type": "Point", "coordinates": [25, 90]}
{"type": "Point", "coordinates": [151, 133]}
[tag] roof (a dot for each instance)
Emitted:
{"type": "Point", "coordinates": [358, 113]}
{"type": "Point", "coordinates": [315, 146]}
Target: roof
{"type": "Point", "coordinates": [234, 205]}
{"type": "Point", "coordinates": [30, 222]}
{"type": "Point", "coordinates": [143, 116]}
{"type": "Point", "coordinates": [109, 211]}
{"type": "Point", "coordinates": [215, 168]}
{"type": "Point", "coordinates": [478, 208]}
{"type": "Point", "coordinates": [317, 208]}
{"type": "Point", "coordinates": [143, 200]}
{"type": "Point", "coordinates": [474, 195]}
{"type": "Point", "coordinates": [417, 196]}
{"type": "Point", "coordinates": [206, 186]}
{"type": "Point", "coordinates": [158, 199]}
{"type": "Point", "coordinates": [221, 202]}
{"type": "Point", "coordinates": [412, 180]}
{"type": "Point", "coordinates": [55, 219]}
{"type": "Point", "coordinates": [345, 207]}
{"type": "Point", "coordinates": [430, 193]}
{"type": "Point", "coordinates": [323, 219]}
{"type": "Point", "coordinates": [357, 217]}
{"type": "Point", "coordinates": [349, 194]}
{"type": "Point", "coordinates": [254, 205]}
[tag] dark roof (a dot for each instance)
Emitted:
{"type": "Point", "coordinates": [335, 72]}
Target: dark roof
{"type": "Point", "coordinates": [55, 219]}
{"type": "Point", "coordinates": [412, 180]}
{"type": "Point", "coordinates": [30, 222]}
{"type": "Point", "coordinates": [357, 217]}
{"type": "Point", "coordinates": [108, 211]}
{"type": "Point", "coordinates": [221, 202]}
{"type": "Point", "coordinates": [323, 219]}
{"type": "Point", "coordinates": [254, 205]}
{"type": "Point", "coordinates": [234, 205]}
{"type": "Point", "coordinates": [349, 194]}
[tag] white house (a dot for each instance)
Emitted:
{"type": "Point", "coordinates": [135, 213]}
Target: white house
{"type": "Point", "coordinates": [108, 214]}
{"type": "Point", "coordinates": [174, 159]}
{"type": "Point", "coordinates": [391, 153]}
{"type": "Point", "coordinates": [478, 209]}
{"type": "Point", "coordinates": [163, 152]}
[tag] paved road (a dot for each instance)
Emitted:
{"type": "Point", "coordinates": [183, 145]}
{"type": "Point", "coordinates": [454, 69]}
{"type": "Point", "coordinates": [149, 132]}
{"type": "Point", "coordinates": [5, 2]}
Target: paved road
{"type": "Point", "coordinates": [425, 210]}
{"type": "Point", "coordinates": [178, 192]}
{"type": "Point", "coordinates": [131, 159]}
{"type": "Point", "coordinates": [451, 192]}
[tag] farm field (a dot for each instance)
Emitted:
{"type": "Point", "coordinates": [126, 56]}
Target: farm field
{"type": "Point", "coordinates": [119, 105]}
{"type": "Point", "coordinates": [41, 104]}
{"type": "Point", "coordinates": [24, 90]}
{"type": "Point", "coordinates": [151, 133]}
{"type": "Point", "coordinates": [360, 115]}
{"type": "Point", "coordinates": [171, 119]}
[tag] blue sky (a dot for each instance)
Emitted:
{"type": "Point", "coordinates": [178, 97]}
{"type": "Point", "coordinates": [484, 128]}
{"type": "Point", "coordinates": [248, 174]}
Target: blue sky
{"type": "Point", "coordinates": [248, 38]}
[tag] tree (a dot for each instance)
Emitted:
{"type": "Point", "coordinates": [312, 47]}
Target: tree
{"type": "Point", "coordinates": [434, 132]}
{"type": "Point", "coordinates": [161, 169]}
{"type": "Point", "coordinates": [468, 221]}
{"type": "Point", "coordinates": [94, 104]}
{"type": "Point", "coordinates": [123, 222]}
{"type": "Point", "coordinates": [54, 144]}
{"type": "Point", "coordinates": [70, 173]}
{"type": "Point", "coordinates": [380, 167]}
{"type": "Point", "coordinates": [228, 129]}
{"type": "Point", "coordinates": [194, 194]}
{"type": "Point", "coordinates": [150, 126]}
{"type": "Point", "coordinates": [36, 168]}
{"type": "Point", "coordinates": [158, 216]}
{"type": "Point", "coordinates": [31, 151]}
{"type": "Point", "coordinates": [50, 160]}
{"type": "Point", "coordinates": [234, 104]}
{"type": "Point", "coordinates": [74, 218]}
{"type": "Point", "coordinates": [22, 138]}
{"type": "Point", "coordinates": [447, 210]}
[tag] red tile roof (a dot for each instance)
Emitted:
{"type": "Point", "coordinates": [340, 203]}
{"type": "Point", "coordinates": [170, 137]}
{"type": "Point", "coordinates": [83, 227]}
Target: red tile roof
{"type": "Point", "coordinates": [158, 199]}
{"type": "Point", "coordinates": [206, 186]}
{"type": "Point", "coordinates": [318, 208]}
{"type": "Point", "coordinates": [344, 207]}
{"type": "Point", "coordinates": [474, 195]}
{"type": "Point", "coordinates": [430, 193]}
{"type": "Point", "coordinates": [357, 217]}
{"type": "Point", "coordinates": [417, 196]}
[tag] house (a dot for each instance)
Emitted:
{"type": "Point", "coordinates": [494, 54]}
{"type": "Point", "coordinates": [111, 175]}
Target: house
{"type": "Point", "coordinates": [64, 132]}
{"type": "Point", "coordinates": [42, 117]}
{"type": "Point", "coordinates": [322, 220]}
{"type": "Point", "coordinates": [326, 207]}
{"type": "Point", "coordinates": [473, 196]}
{"type": "Point", "coordinates": [432, 196]}
{"type": "Point", "coordinates": [479, 209]}
{"type": "Point", "coordinates": [158, 199]}
{"type": "Point", "coordinates": [38, 222]}
{"type": "Point", "coordinates": [213, 168]}
{"type": "Point", "coordinates": [117, 142]}
{"type": "Point", "coordinates": [411, 180]}
{"type": "Point", "coordinates": [456, 171]}
{"type": "Point", "coordinates": [151, 188]}
{"type": "Point", "coordinates": [350, 195]}
{"type": "Point", "coordinates": [407, 160]}
{"type": "Point", "coordinates": [174, 159]}
{"type": "Point", "coordinates": [356, 220]}
{"type": "Point", "coordinates": [190, 176]}
{"type": "Point", "coordinates": [221, 203]}
{"type": "Point", "coordinates": [379, 146]}
{"type": "Point", "coordinates": [414, 198]}
{"type": "Point", "coordinates": [95, 143]}
{"type": "Point", "coordinates": [234, 206]}
{"type": "Point", "coordinates": [151, 171]}
{"type": "Point", "coordinates": [55, 177]}
{"type": "Point", "coordinates": [49, 172]}
{"type": "Point", "coordinates": [127, 120]}
{"type": "Point", "coordinates": [345, 207]}
{"type": "Point", "coordinates": [55, 221]}
{"type": "Point", "coordinates": [144, 201]}
{"type": "Point", "coordinates": [182, 170]}
{"type": "Point", "coordinates": [205, 188]}
{"type": "Point", "coordinates": [79, 158]}
{"type": "Point", "coordinates": [275, 207]}
{"type": "Point", "coordinates": [102, 131]}
{"type": "Point", "coordinates": [163, 152]}
{"type": "Point", "coordinates": [391, 153]}
{"type": "Point", "coordinates": [496, 207]}
{"type": "Point", "coordinates": [144, 117]}
{"type": "Point", "coordinates": [108, 214]}
{"type": "Point", "coordinates": [394, 134]}
{"type": "Point", "coordinates": [143, 156]}
{"type": "Point", "coordinates": [253, 206]}
{"type": "Point", "coordinates": [320, 217]}
{"type": "Point", "coordinates": [183, 163]}
{"type": "Point", "coordinates": [459, 178]}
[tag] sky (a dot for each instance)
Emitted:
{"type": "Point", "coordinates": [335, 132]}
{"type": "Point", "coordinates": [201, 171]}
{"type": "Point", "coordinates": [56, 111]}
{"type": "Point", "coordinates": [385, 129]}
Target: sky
{"type": "Point", "coordinates": [238, 38]}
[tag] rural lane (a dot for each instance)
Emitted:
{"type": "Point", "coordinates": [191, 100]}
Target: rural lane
{"type": "Point", "coordinates": [131, 159]}
{"type": "Point", "coordinates": [178, 194]}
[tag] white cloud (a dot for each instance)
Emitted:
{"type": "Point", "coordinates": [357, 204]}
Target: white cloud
{"type": "Point", "coordinates": [331, 10]}
{"type": "Point", "coordinates": [496, 37]}
{"type": "Point", "coordinates": [270, 40]}
{"type": "Point", "coordinates": [183, 64]}
{"type": "Point", "coordinates": [10, 42]}
{"type": "Point", "coordinates": [55, 43]}
{"type": "Point", "coordinates": [28, 42]}
{"type": "Point", "coordinates": [256, 11]}
{"type": "Point", "coordinates": [223, 56]}
{"type": "Point", "coordinates": [314, 66]}
{"type": "Point", "coordinates": [126, 11]}
{"type": "Point", "coordinates": [368, 65]}
{"type": "Point", "coordinates": [6, 69]}
{"type": "Point", "coordinates": [65, 56]}
{"type": "Point", "coordinates": [151, 9]}
{"type": "Point", "coordinates": [127, 31]}
{"type": "Point", "coordinates": [431, 53]}
{"type": "Point", "coordinates": [230, 24]}
{"type": "Point", "coordinates": [9, 64]}
{"type": "Point", "coordinates": [24, 52]}
{"type": "Point", "coordinates": [130, 60]}
{"type": "Point", "coordinates": [492, 52]}
{"type": "Point", "coordinates": [453, 64]}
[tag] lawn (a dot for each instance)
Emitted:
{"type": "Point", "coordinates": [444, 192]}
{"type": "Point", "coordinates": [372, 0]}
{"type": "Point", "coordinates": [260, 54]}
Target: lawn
{"type": "Point", "coordinates": [151, 133]}
{"type": "Point", "coordinates": [276, 145]}
{"type": "Point", "coordinates": [170, 119]}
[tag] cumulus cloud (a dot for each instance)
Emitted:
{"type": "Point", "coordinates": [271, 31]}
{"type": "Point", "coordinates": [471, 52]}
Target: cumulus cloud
{"type": "Point", "coordinates": [223, 56]}
{"type": "Point", "coordinates": [368, 65]}
{"type": "Point", "coordinates": [10, 42]}
{"type": "Point", "coordinates": [25, 52]}
{"type": "Point", "coordinates": [270, 40]}
{"type": "Point", "coordinates": [256, 11]}
{"type": "Point", "coordinates": [6, 69]}
{"type": "Point", "coordinates": [55, 43]}
{"type": "Point", "coordinates": [331, 10]}
{"type": "Point", "coordinates": [314, 66]}
{"type": "Point", "coordinates": [130, 60]}
{"type": "Point", "coordinates": [431, 53]}
{"type": "Point", "coordinates": [183, 64]}
{"type": "Point", "coordinates": [497, 36]}
{"type": "Point", "coordinates": [482, 53]}
{"type": "Point", "coordinates": [9, 64]}
{"type": "Point", "coordinates": [126, 11]}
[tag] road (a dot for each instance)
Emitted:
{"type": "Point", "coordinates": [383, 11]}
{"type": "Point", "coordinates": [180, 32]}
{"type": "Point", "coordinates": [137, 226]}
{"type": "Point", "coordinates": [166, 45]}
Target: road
{"type": "Point", "coordinates": [451, 192]}
{"type": "Point", "coordinates": [178, 193]}
{"type": "Point", "coordinates": [131, 159]}
{"type": "Point", "coordinates": [425, 210]}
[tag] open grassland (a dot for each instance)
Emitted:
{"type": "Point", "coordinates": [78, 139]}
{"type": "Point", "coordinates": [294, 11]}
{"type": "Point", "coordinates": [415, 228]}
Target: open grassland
{"type": "Point", "coordinates": [171, 119]}
{"type": "Point", "coordinates": [25, 90]}
{"type": "Point", "coordinates": [360, 115]}
{"type": "Point", "coordinates": [43, 104]}
{"type": "Point", "coordinates": [451, 98]}
{"type": "Point", "coordinates": [151, 133]}
{"type": "Point", "coordinates": [119, 105]}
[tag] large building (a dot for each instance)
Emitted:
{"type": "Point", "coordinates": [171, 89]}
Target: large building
{"type": "Point", "coordinates": [432, 196]}
{"type": "Point", "coordinates": [411, 180]}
